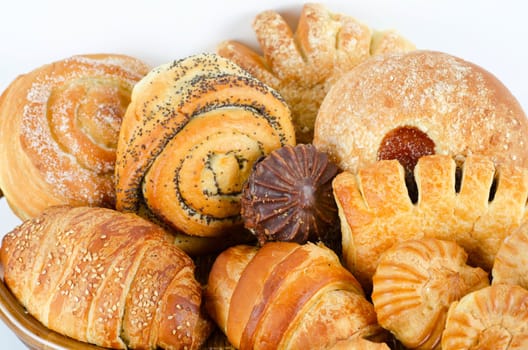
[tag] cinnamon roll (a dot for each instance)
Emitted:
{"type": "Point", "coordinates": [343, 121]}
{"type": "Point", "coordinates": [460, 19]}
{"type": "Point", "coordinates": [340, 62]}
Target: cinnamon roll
{"type": "Point", "coordinates": [58, 132]}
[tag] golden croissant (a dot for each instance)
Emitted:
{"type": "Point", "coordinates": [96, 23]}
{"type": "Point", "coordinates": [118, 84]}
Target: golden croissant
{"type": "Point", "coordinates": [104, 277]}
{"type": "Point", "coordinates": [287, 295]}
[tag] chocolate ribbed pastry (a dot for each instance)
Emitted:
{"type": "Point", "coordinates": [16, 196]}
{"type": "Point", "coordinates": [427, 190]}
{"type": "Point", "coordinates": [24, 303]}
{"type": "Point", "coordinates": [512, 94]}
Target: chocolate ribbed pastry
{"type": "Point", "coordinates": [288, 196]}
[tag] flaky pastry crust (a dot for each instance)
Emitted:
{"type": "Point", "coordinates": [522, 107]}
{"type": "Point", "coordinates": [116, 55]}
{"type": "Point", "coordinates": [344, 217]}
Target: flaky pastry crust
{"type": "Point", "coordinates": [511, 262]}
{"type": "Point", "coordinates": [286, 296]}
{"type": "Point", "coordinates": [494, 317]}
{"type": "Point", "coordinates": [415, 283]}
{"type": "Point", "coordinates": [376, 210]}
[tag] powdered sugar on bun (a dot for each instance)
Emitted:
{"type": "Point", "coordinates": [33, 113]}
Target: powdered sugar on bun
{"type": "Point", "coordinates": [462, 108]}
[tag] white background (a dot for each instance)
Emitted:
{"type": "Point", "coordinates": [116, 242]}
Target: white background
{"type": "Point", "coordinates": [493, 34]}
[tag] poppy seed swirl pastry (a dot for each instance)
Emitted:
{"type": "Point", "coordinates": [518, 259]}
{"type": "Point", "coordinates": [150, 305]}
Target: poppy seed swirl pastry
{"type": "Point", "coordinates": [285, 295]}
{"type": "Point", "coordinates": [495, 317]}
{"type": "Point", "coordinates": [415, 283]}
{"type": "Point", "coordinates": [189, 139]}
{"type": "Point", "coordinates": [404, 106]}
{"type": "Point", "coordinates": [107, 278]}
{"type": "Point", "coordinates": [303, 65]}
{"type": "Point", "coordinates": [59, 126]}
{"type": "Point", "coordinates": [476, 206]}
{"type": "Point", "coordinates": [288, 197]}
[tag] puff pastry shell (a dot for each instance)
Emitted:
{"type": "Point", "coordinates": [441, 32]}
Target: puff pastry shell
{"type": "Point", "coordinates": [415, 283]}
{"type": "Point", "coordinates": [494, 317]}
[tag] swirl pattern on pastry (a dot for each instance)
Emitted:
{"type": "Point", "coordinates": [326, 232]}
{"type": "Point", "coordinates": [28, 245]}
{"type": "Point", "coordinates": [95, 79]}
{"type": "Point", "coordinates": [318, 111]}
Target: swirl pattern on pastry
{"type": "Point", "coordinates": [494, 317]}
{"type": "Point", "coordinates": [415, 283]}
{"type": "Point", "coordinates": [59, 126]}
{"type": "Point", "coordinates": [376, 210]}
{"type": "Point", "coordinates": [189, 139]}
{"type": "Point", "coordinates": [420, 103]}
{"type": "Point", "coordinates": [303, 65]}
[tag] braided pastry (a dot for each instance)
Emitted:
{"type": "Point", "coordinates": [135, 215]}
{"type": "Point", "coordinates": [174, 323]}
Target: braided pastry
{"type": "Point", "coordinates": [303, 66]}
{"type": "Point", "coordinates": [58, 132]}
{"type": "Point", "coordinates": [189, 139]}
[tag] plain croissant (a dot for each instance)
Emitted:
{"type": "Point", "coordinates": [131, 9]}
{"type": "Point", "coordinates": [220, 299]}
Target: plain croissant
{"type": "Point", "coordinates": [287, 296]}
{"type": "Point", "coordinates": [106, 278]}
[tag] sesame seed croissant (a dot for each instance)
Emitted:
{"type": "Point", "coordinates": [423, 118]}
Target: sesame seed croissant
{"type": "Point", "coordinates": [106, 278]}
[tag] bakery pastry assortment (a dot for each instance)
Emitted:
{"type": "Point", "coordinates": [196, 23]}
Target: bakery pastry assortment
{"type": "Point", "coordinates": [58, 131]}
{"type": "Point", "coordinates": [287, 296]}
{"type": "Point", "coordinates": [107, 278]}
{"type": "Point", "coordinates": [303, 65]}
{"type": "Point", "coordinates": [191, 134]}
{"type": "Point", "coordinates": [376, 210]}
{"type": "Point", "coordinates": [494, 317]}
{"type": "Point", "coordinates": [288, 197]}
{"type": "Point", "coordinates": [414, 160]}
{"type": "Point", "coordinates": [415, 283]}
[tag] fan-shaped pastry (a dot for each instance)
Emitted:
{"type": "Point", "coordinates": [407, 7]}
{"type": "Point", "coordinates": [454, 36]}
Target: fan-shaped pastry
{"type": "Point", "coordinates": [288, 196]}
{"type": "Point", "coordinates": [189, 139]}
{"type": "Point", "coordinates": [303, 66]}
{"type": "Point", "coordinates": [287, 296]}
{"type": "Point", "coordinates": [404, 106]}
{"type": "Point", "coordinates": [59, 126]}
{"type": "Point", "coordinates": [511, 261]}
{"type": "Point", "coordinates": [415, 283]}
{"type": "Point", "coordinates": [106, 278]}
{"type": "Point", "coordinates": [477, 209]}
{"type": "Point", "coordinates": [495, 318]}
{"type": "Point", "coordinates": [358, 343]}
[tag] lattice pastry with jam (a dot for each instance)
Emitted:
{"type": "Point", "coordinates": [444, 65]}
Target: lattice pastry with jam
{"type": "Point", "coordinates": [475, 204]}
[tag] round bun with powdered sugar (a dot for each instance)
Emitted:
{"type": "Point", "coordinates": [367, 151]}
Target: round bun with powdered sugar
{"type": "Point", "coordinates": [404, 106]}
